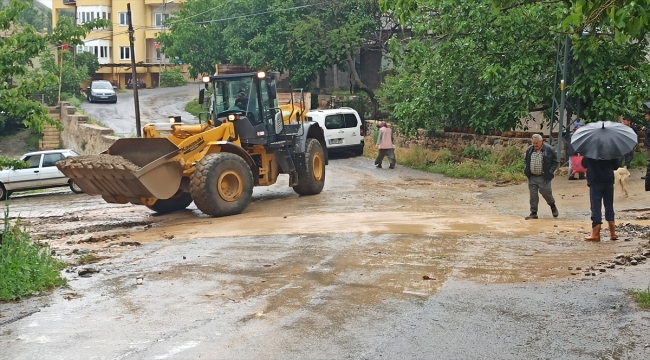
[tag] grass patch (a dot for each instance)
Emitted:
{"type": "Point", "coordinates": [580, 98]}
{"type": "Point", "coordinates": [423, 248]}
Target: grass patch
{"type": "Point", "coordinates": [642, 297]}
{"type": "Point", "coordinates": [87, 259]}
{"type": "Point", "coordinates": [471, 163]}
{"type": "Point", "coordinates": [26, 267]}
{"type": "Point", "coordinates": [193, 107]}
{"type": "Point", "coordinates": [638, 161]}
{"type": "Point", "coordinates": [32, 140]}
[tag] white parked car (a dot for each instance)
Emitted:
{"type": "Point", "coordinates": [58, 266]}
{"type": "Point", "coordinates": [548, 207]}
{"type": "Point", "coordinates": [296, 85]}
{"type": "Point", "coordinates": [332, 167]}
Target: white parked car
{"type": "Point", "coordinates": [343, 129]}
{"type": "Point", "coordinates": [41, 174]}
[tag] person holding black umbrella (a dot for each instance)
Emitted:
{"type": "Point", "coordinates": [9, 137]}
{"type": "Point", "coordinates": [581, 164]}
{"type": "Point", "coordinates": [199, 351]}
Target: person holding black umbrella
{"type": "Point", "coordinates": [602, 143]}
{"type": "Point", "coordinates": [600, 179]}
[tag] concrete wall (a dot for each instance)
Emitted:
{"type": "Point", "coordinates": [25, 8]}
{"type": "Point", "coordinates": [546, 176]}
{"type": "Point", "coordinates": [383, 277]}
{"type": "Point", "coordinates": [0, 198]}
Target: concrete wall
{"type": "Point", "coordinates": [84, 138]}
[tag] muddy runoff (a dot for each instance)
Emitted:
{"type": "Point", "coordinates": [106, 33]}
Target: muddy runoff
{"type": "Point", "coordinates": [382, 264]}
{"type": "Point", "coordinates": [397, 232]}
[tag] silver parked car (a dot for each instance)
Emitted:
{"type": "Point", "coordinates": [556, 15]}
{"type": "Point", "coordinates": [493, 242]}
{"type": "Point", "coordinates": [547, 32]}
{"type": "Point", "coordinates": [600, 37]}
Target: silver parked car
{"type": "Point", "coordinates": [41, 173]}
{"type": "Point", "coordinates": [101, 90]}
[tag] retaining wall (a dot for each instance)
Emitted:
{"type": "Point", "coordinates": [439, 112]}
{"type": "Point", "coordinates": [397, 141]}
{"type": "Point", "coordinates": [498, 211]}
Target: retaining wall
{"type": "Point", "coordinates": [78, 135]}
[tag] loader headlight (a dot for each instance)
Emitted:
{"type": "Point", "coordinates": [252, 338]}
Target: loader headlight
{"type": "Point", "coordinates": [206, 79]}
{"type": "Point", "coordinates": [261, 75]}
{"type": "Point", "coordinates": [232, 117]}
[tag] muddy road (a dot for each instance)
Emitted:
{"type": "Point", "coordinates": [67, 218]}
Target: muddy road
{"type": "Point", "coordinates": [394, 264]}
{"type": "Point", "coordinates": [156, 105]}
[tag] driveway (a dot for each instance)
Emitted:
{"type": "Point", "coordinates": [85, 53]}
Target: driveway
{"type": "Point", "coordinates": [156, 105]}
{"type": "Point", "coordinates": [395, 264]}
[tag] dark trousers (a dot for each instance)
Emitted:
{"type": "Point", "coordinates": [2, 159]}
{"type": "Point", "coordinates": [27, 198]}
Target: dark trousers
{"type": "Point", "coordinates": [627, 159]}
{"type": "Point", "coordinates": [537, 185]}
{"type": "Point", "coordinates": [601, 195]}
{"type": "Point", "coordinates": [386, 152]}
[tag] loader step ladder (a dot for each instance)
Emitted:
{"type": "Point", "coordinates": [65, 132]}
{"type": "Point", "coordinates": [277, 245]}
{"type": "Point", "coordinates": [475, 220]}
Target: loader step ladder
{"type": "Point", "coordinates": [285, 160]}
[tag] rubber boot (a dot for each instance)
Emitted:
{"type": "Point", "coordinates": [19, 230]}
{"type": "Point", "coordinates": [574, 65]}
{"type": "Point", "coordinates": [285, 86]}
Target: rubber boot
{"type": "Point", "coordinates": [595, 234]}
{"type": "Point", "coordinates": [612, 230]}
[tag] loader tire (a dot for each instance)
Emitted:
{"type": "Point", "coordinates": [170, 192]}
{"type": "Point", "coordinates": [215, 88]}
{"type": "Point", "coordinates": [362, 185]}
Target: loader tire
{"type": "Point", "coordinates": [311, 176]}
{"type": "Point", "coordinates": [222, 184]}
{"type": "Point", "coordinates": [174, 203]}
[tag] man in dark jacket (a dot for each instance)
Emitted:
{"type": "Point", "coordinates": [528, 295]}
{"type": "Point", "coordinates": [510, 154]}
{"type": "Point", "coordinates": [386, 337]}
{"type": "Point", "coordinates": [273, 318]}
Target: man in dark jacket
{"type": "Point", "coordinates": [541, 162]}
{"type": "Point", "coordinates": [600, 179]}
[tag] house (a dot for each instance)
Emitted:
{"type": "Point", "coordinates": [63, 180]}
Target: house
{"type": "Point", "coordinates": [111, 46]}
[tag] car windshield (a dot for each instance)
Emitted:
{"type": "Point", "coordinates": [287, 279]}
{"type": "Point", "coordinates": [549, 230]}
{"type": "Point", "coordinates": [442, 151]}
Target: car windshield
{"type": "Point", "coordinates": [102, 85]}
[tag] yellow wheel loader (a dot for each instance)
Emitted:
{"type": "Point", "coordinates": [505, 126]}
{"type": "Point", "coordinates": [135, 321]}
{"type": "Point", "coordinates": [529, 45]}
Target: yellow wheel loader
{"type": "Point", "coordinates": [243, 143]}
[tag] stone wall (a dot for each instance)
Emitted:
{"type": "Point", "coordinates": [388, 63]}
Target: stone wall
{"type": "Point", "coordinates": [457, 142]}
{"type": "Point", "coordinates": [84, 138]}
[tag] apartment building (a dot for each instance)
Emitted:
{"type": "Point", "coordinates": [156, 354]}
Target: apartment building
{"type": "Point", "coordinates": [111, 46]}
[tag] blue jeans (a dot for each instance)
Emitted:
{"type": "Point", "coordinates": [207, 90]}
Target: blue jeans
{"type": "Point", "coordinates": [601, 195]}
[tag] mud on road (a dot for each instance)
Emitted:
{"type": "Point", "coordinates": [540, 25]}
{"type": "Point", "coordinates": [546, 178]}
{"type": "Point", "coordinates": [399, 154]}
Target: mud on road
{"type": "Point", "coordinates": [396, 263]}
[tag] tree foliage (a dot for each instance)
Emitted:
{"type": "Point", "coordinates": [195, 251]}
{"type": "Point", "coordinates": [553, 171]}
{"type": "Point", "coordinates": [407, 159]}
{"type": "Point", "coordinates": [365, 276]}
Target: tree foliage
{"type": "Point", "coordinates": [624, 19]}
{"type": "Point", "coordinates": [18, 48]}
{"type": "Point", "coordinates": [465, 64]}
{"type": "Point", "coordinates": [303, 37]}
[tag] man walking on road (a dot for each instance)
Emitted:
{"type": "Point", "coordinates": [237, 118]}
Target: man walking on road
{"type": "Point", "coordinates": [385, 146]}
{"type": "Point", "coordinates": [541, 162]}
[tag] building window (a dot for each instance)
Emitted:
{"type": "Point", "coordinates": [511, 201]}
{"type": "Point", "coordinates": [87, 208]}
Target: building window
{"type": "Point", "coordinates": [124, 18]}
{"type": "Point", "coordinates": [125, 53]}
{"type": "Point", "coordinates": [103, 14]}
{"type": "Point", "coordinates": [83, 17]}
{"type": "Point", "coordinates": [159, 18]}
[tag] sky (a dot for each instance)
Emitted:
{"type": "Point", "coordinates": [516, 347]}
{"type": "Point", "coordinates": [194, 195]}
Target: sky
{"type": "Point", "coordinates": [47, 3]}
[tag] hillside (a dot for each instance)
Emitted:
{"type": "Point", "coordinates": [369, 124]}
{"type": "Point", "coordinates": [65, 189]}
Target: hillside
{"type": "Point", "coordinates": [37, 15]}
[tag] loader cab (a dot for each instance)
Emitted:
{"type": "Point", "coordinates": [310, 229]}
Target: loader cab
{"type": "Point", "coordinates": [252, 98]}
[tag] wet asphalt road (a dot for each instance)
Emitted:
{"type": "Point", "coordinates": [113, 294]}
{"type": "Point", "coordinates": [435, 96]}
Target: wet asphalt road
{"type": "Point", "coordinates": [339, 275]}
{"type": "Point", "coordinates": [279, 284]}
{"type": "Point", "coordinates": [156, 105]}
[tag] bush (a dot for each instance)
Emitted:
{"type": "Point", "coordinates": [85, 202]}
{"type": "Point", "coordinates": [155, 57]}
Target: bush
{"type": "Point", "coordinates": [72, 99]}
{"type": "Point", "coordinates": [171, 78]}
{"type": "Point", "coordinates": [475, 153]}
{"type": "Point", "coordinates": [25, 267]}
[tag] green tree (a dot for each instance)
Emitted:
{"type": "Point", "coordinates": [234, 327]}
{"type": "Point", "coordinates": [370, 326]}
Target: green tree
{"type": "Point", "coordinates": [18, 48]}
{"type": "Point", "coordinates": [71, 77]}
{"type": "Point", "coordinates": [301, 37]}
{"type": "Point", "coordinates": [470, 66]}
{"type": "Point", "coordinates": [88, 60]}
{"type": "Point", "coordinates": [624, 19]}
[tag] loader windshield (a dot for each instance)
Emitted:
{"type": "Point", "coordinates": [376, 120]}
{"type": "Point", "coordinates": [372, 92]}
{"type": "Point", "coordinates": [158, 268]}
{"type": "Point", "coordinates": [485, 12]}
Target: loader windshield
{"type": "Point", "coordinates": [237, 94]}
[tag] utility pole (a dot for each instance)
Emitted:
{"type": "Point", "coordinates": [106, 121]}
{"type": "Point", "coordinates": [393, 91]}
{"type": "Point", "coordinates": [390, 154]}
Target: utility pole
{"type": "Point", "coordinates": [134, 73]}
{"type": "Point", "coordinates": [567, 105]}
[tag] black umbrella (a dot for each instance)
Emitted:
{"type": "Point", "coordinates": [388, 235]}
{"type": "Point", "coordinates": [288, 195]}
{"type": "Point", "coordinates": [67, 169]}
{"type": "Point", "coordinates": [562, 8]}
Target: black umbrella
{"type": "Point", "coordinates": [604, 140]}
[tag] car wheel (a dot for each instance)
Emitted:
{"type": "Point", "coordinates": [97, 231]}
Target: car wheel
{"type": "Point", "coordinates": [358, 151]}
{"type": "Point", "coordinates": [90, 99]}
{"type": "Point", "coordinates": [4, 194]}
{"type": "Point", "coordinates": [74, 187]}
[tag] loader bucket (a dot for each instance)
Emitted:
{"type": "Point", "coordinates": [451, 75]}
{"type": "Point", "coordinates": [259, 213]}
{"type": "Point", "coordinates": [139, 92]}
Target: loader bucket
{"type": "Point", "coordinates": [131, 170]}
